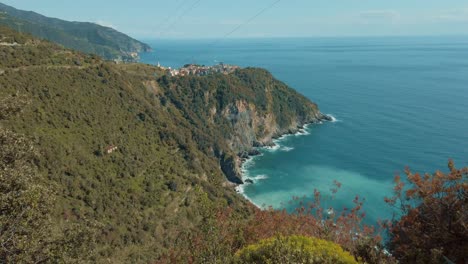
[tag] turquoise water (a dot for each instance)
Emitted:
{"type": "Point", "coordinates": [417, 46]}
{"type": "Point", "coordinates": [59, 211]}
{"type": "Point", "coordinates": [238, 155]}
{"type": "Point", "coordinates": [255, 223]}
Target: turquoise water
{"type": "Point", "coordinates": [398, 102]}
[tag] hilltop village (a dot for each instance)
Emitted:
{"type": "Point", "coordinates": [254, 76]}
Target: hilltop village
{"type": "Point", "coordinates": [200, 70]}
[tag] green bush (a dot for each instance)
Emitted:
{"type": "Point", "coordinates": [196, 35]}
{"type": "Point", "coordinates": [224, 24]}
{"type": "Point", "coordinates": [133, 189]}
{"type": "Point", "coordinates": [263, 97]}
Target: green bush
{"type": "Point", "coordinates": [294, 249]}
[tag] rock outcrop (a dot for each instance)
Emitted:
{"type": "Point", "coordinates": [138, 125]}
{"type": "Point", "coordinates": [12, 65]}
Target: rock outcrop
{"type": "Point", "coordinates": [252, 129]}
{"type": "Point", "coordinates": [231, 168]}
{"type": "Point", "coordinates": [239, 111]}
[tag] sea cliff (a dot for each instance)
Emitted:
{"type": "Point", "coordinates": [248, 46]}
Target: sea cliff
{"type": "Point", "coordinates": [242, 110]}
{"type": "Point", "coordinates": [252, 130]}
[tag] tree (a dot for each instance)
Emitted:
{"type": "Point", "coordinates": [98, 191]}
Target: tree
{"type": "Point", "coordinates": [433, 227]}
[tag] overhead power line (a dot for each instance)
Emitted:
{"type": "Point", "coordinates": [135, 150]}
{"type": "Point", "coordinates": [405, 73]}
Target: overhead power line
{"type": "Point", "coordinates": [247, 21]}
{"type": "Point", "coordinates": [171, 14]}
{"type": "Point", "coordinates": [182, 15]}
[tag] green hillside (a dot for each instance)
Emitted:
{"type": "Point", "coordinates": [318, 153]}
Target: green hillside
{"type": "Point", "coordinates": [177, 139]}
{"type": "Point", "coordinates": [122, 163]}
{"type": "Point", "coordinates": [86, 37]}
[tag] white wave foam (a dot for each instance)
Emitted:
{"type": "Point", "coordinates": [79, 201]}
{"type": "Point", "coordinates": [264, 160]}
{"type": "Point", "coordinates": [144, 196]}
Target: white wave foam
{"type": "Point", "coordinates": [333, 118]}
{"type": "Point", "coordinates": [280, 140]}
{"type": "Point", "coordinates": [247, 164]}
{"type": "Point", "coordinates": [278, 147]}
{"type": "Point", "coordinates": [274, 147]}
{"type": "Point", "coordinates": [302, 132]}
{"type": "Point", "coordinates": [259, 177]}
{"type": "Point", "coordinates": [241, 190]}
{"type": "Point", "coordinates": [283, 137]}
{"type": "Point", "coordinates": [287, 149]}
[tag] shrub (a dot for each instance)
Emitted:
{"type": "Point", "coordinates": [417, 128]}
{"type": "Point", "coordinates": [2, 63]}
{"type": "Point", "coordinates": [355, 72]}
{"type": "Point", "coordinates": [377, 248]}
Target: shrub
{"type": "Point", "coordinates": [224, 232]}
{"type": "Point", "coordinates": [294, 249]}
{"type": "Point", "coordinates": [344, 227]}
{"type": "Point", "coordinates": [432, 227]}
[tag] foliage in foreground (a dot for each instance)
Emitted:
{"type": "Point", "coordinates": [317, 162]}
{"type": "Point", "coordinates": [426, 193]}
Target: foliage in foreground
{"type": "Point", "coordinates": [294, 249]}
{"type": "Point", "coordinates": [433, 227]}
{"type": "Point", "coordinates": [222, 233]}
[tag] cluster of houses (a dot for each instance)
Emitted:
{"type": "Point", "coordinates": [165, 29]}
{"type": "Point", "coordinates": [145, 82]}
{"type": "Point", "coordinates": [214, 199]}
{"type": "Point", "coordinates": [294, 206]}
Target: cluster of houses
{"type": "Point", "coordinates": [201, 70]}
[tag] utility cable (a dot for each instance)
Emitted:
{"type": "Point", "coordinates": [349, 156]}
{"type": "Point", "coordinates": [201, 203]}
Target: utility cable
{"type": "Point", "coordinates": [246, 22]}
{"type": "Point", "coordinates": [241, 25]}
{"type": "Point", "coordinates": [172, 14]}
{"type": "Point", "coordinates": [182, 15]}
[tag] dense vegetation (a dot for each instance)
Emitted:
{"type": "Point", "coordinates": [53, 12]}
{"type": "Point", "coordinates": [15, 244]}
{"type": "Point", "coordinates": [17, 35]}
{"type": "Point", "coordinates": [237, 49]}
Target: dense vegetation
{"type": "Point", "coordinates": [86, 37]}
{"type": "Point", "coordinates": [27, 233]}
{"type": "Point", "coordinates": [162, 194]}
{"type": "Point", "coordinates": [432, 226]}
{"type": "Point", "coordinates": [223, 234]}
{"type": "Point", "coordinates": [167, 158]}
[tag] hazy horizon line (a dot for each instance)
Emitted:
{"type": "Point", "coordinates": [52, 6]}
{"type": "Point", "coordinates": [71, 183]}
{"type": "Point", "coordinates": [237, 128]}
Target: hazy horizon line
{"type": "Point", "coordinates": [302, 37]}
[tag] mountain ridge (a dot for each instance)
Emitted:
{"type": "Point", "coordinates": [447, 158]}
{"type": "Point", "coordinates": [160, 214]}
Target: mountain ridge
{"type": "Point", "coordinates": [83, 36]}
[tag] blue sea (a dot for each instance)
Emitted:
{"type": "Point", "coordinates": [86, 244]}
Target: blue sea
{"type": "Point", "coordinates": [398, 102]}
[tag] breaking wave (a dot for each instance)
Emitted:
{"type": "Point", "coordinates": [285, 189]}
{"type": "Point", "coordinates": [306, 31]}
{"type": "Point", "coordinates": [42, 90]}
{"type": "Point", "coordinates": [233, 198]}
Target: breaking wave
{"type": "Point", "coordinates": [333, 118]}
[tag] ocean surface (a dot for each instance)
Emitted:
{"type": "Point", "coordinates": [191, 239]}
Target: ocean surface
{"type": "Point", "coordinates": [398, 102]}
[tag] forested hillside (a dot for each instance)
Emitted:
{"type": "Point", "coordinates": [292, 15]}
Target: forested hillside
{"type": "Point", "coordinates": [130, 150]}
{"type": "Point", "coordinates": [83, 36]}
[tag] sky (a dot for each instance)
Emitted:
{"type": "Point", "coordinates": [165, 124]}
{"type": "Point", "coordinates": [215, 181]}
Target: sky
{"type": "Point", "coordinates": [156, 19]}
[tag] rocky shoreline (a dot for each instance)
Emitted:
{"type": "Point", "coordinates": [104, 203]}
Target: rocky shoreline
{"type": "Point", "coordinates": [233, 167]}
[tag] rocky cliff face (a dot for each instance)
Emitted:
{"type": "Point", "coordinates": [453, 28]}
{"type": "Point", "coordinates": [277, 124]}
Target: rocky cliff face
{"type": "Point", "coordinates": [252, 129]}
{"type": "Point", "coordinates": [238, 112]}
